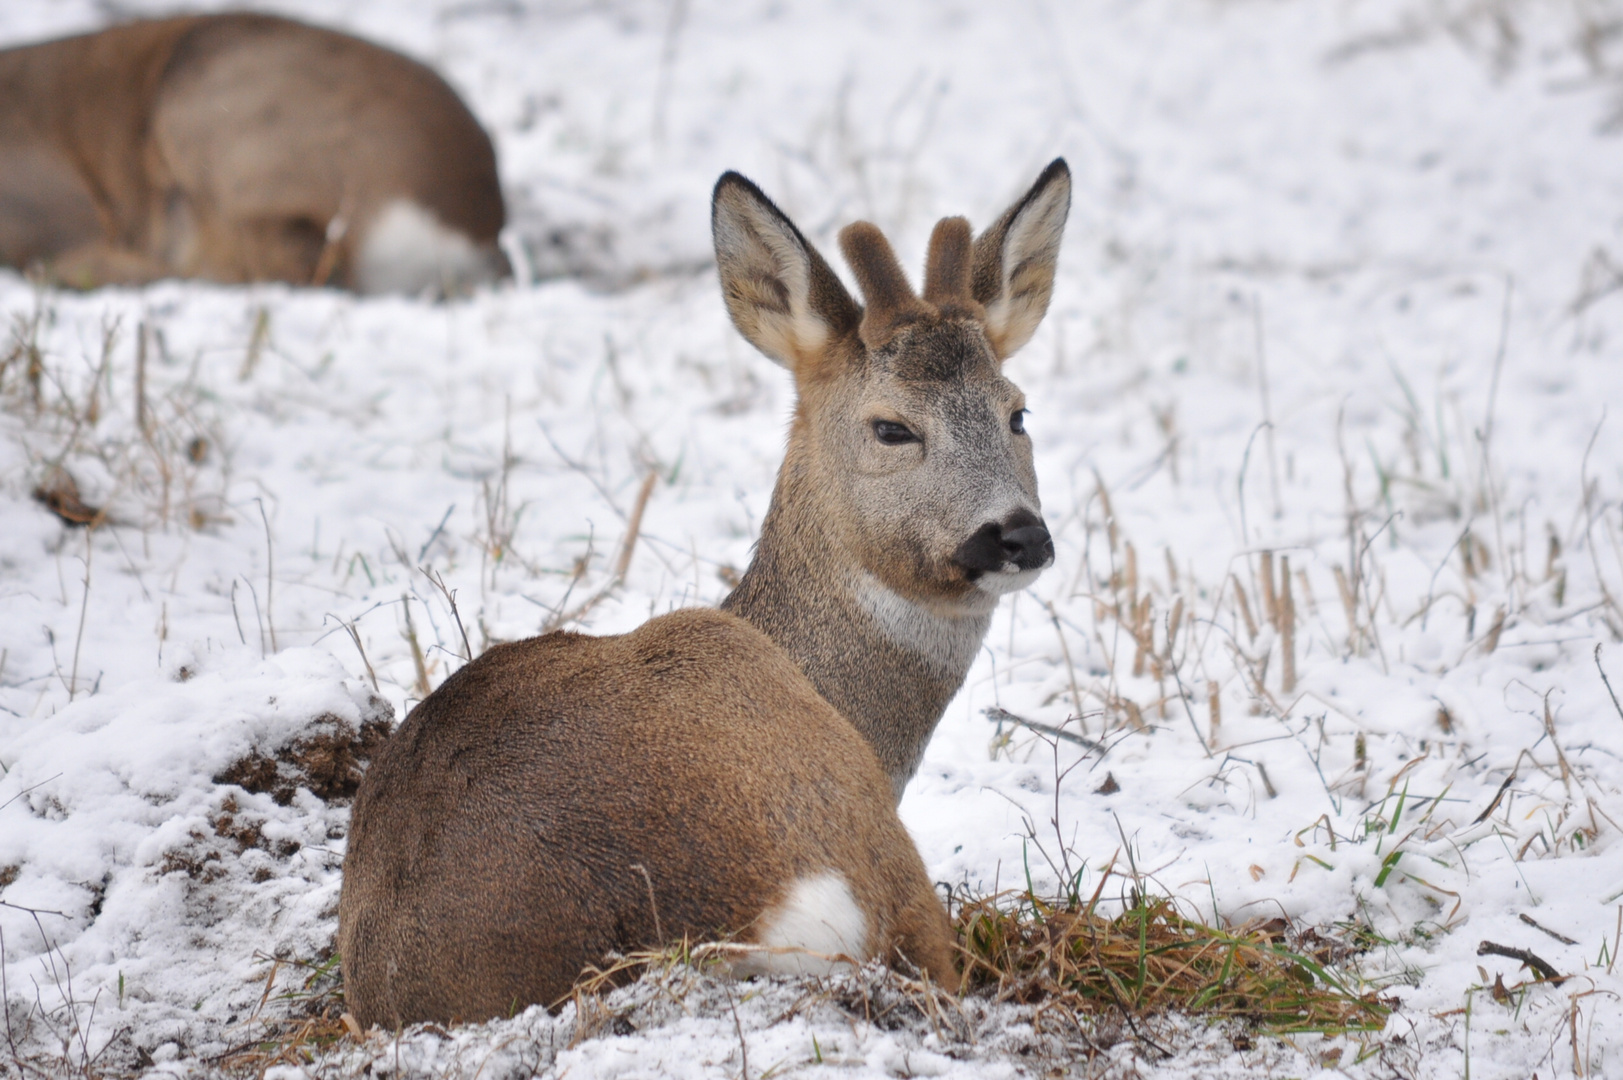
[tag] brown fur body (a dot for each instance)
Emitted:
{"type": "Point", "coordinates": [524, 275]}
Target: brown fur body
{"type": "Point", "coordinates": [229, 147]}
{"type": "Point", "coordinates": [748, 760]}
{"type": "Point", "coordinates": [503, 871]}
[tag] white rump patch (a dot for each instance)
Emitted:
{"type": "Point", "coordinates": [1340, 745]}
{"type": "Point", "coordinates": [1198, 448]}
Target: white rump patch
{"type": "Point", "coordinates": [407, 250]}
{"type": "Point", "coordinates": [819, 921]}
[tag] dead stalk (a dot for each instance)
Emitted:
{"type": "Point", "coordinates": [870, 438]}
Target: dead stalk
{"type": "Point", "coordinates": [634, 526]}
{"type": "Point", "coordinates": [1270, 601]}
{"type": "Point", "coordinates": [1267, 408]}
{"type": "Point", "coordinates": [270, 576]}
{"type": "Point", "coordinates": [1141, 630]}
{"type": "Point", "coordinates": [84, 606]}
{"type": "Point", "coordinates": [1350, 605]}
{"type": "Point", "coordinates": [1245, 609]}
{"type": "Point", "coordinates": [1173, 623]}
{"type": "Point", "coordinates": [1494, 631]}
{"type": "Point", "coordinates": [1070, 669]}
{"type": "Point", "coordinates": [355, 636]}
{"type": "Point", "coordinates": [1560, 755]}
{"type": "Point", "coordinates": [257, 340]}
{"type": "Point", "coordinates": [450, 598]}
{"type": "Point", "coordinates": [622, 564]}
{"type": "Point", "coordinates": [1287, 628]}
{"type": "Point", "coordinates": [141, 424]}
{"type": "Point", "coordinates": [422, 687]}
{"type": "Point", "coordinates": [1615, 704]}
{"type": "Point", "coordinates": [1109, 512]}
{"type": "Point", "coordinates": [1214, 705]}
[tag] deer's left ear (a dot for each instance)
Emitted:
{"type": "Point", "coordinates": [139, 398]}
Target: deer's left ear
{"type": "Point", "coordinates": [1015, 259]}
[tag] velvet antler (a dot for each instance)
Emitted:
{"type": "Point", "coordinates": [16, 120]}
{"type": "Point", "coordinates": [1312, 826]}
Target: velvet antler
{"type": "Point", "coordinates": [891, 302]}
{"type": "Point", "coordinates": [947, 269]}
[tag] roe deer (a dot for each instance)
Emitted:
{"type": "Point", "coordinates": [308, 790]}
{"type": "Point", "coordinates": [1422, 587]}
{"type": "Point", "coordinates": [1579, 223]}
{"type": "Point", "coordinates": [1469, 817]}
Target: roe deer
{"type": "Point", "coordinates": [736, 772]}
{"type": "Point", "coordinates": [241, 148]}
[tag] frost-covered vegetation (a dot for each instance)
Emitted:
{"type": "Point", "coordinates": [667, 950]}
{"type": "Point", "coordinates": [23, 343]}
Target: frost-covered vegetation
{"type": "Point", "coordinates": [1323, 417]}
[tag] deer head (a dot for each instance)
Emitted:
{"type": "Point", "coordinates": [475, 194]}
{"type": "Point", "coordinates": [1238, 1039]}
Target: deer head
{"type": "Point", "coordinates": [908, 448]}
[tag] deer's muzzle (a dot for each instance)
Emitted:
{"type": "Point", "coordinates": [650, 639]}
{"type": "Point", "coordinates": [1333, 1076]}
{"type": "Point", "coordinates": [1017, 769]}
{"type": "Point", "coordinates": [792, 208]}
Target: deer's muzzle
{"type": "Point", "coordinates": [1019, 542]}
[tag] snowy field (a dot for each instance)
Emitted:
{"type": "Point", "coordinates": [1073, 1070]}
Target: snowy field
{"type": "Point", "coordinates": [1342, 288]}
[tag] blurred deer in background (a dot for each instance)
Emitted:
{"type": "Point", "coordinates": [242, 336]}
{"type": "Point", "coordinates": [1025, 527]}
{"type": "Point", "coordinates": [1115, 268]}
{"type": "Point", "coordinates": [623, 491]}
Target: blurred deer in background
{"type": "Point", "coordinates": [735, 773]}
{"type": "Point", "coordinates": [241, 148]}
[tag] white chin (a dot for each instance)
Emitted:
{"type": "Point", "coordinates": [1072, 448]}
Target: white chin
{"type": "Point", "coordinates": [1003, 582]}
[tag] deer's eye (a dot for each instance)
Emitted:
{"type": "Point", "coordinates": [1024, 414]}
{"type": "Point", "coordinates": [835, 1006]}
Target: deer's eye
{"type": "Point", "coordinates": [1017, 421]}
{"type": "Point", "coordinates": [891, 433]}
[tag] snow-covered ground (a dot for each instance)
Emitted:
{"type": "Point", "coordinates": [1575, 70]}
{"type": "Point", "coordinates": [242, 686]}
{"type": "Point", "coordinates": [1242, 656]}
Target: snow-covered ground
{"type": "Point", "coordinates": [1343, 283]}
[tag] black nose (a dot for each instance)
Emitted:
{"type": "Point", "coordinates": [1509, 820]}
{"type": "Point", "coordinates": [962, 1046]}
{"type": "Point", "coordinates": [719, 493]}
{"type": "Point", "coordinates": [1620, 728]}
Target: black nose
{"type": "Point", "coordinates": [1021, 539]}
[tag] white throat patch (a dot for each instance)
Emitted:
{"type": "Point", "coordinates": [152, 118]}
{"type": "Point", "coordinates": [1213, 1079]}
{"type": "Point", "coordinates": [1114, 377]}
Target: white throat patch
{"type": "Point", "coordinates": [947, 643]}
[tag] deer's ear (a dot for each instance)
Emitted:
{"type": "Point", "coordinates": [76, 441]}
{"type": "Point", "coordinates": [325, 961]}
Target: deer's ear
{"type": "Point", "coordinates": [780, 293]}
{"type": "Point", "coordinates": [1013, 276]}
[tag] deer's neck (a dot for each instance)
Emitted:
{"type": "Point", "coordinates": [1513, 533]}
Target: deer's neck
{"type": "Point", "coordinates": [888, 664]}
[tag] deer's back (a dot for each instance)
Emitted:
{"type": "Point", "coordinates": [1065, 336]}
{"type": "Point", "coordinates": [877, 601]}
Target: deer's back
{"type": "Point", "coordinates": [270, 116]}
{"type": "Point", "coordinates": [229, 147]}
{"type": "Point", "coordinates": [496, 842]}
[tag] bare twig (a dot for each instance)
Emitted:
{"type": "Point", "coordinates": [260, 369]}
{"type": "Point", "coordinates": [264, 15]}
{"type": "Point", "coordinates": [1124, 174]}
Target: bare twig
{"type": "Point", "coordinates": [1549, 729]}
{"type": "Point", "coordinates": [1487, 433]}
{"type": "Point", "coordinates": [1562, 938]}
{"type": "Point", "coordinates": [355, 636]}
{"type": "Point", "coordinates": [634, 526]}
{"type": "Point", "coordinates": [622, 564]}
{"type": "Point", "coordinates": [450, 598]}
{"type": "Point", "coordinates": [1287, 627]}
{"type": "Point", "coordinates": [141, 380]}
{"type": "Point", "coordinates": [5, 1010]}
{"type": "Point", "coordinates": [422, 552]}
{"type": "Point", "coordinates": [1608, 682]}
{"type": "Point", "coordinates": [1267, 407]}
{"type": "Point", "coordinates": [416, 649]}
{"type": "Point", "coordinates": [84, 606]}
{"type": "Point", "coordinates": [1245, 609]}
{"type": "Point", "coordinates": [992, 712]}
{"type": "Point", "coordinates": [1270, 598]}
{"type": "Point", "coordinates": [26, 790]}
{"type": "Point", "coordinates": [1545, 970]}
{"type": "Point", "coordinates": [653, 905]}
{"type": "Point", "coordinates": [257, 340]}
{"type": "Point", "coordinates": [270, 576]}
{"type": "Point", "coordinates": [1267, 784]}
{"type": "Point", "coordinates": [1070, 669]}
{"type": "Point", "coordinates": [1214, 699]}
{"type": "Point", "coordinates": [743, 1047]}
{"type": "Point", "coordinates": [1183, 696]}
{"type": "Point", "coordinates": [1245, 463]}
{"type": "Point", "coordinates": [1497, 796]}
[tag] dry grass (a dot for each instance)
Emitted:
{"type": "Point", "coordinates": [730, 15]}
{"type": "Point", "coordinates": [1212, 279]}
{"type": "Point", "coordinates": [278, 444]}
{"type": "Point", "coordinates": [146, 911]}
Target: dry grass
{"type": "Point", "coordinates": [295, 1026]}
{"type": "Point", "coordinates": [1152, 960]}
{"type": "Point", "coordinates": [1075, 964]}
{"type": "Point", "coordinates": [1078, 969]}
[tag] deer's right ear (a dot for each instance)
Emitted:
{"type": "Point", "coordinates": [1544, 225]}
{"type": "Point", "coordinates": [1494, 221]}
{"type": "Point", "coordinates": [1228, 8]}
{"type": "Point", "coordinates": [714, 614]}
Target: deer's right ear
{"type": "Point", "coordinates": [780, 293]}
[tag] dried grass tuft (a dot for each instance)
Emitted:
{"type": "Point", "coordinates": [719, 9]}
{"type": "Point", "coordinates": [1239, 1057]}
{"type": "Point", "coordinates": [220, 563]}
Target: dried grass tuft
{"type": "Point", "coordinates": [1152, 960]}
{"type": "Point", "coordinates": [307, 1021]}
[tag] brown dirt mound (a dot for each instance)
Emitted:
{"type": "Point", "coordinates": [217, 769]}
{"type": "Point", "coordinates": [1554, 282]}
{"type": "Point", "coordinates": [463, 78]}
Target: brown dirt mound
{"type": "Point", "coordinates": [329, 757]}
